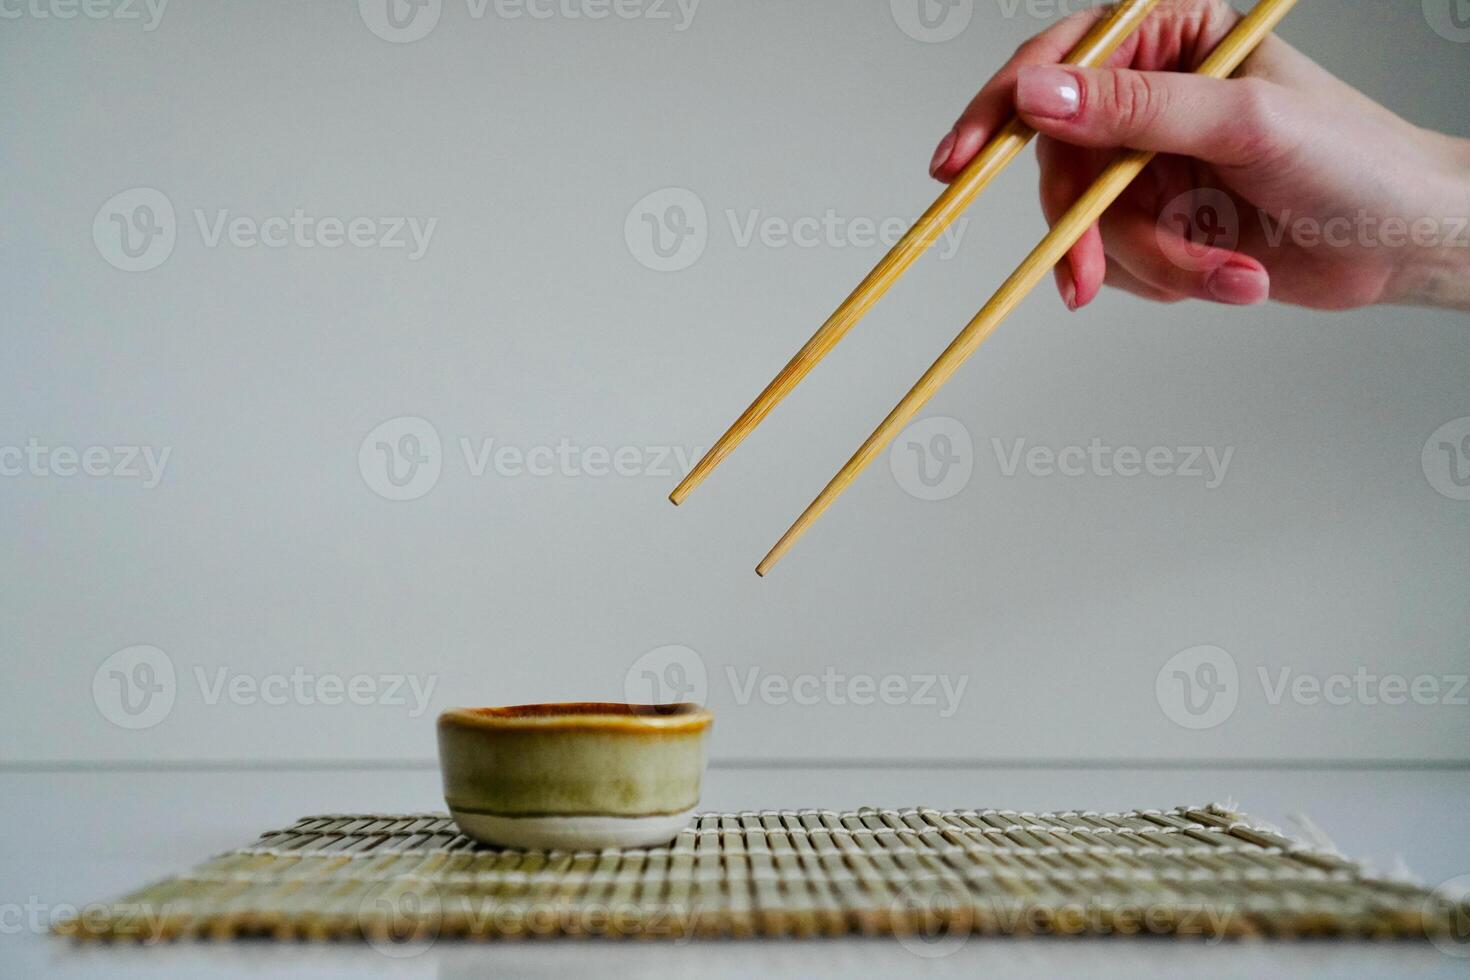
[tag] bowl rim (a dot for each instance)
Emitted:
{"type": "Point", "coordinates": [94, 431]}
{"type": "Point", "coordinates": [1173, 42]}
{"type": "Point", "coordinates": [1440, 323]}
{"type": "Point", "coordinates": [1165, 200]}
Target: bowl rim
{"type": "Point", "coordinates": [582, 716]}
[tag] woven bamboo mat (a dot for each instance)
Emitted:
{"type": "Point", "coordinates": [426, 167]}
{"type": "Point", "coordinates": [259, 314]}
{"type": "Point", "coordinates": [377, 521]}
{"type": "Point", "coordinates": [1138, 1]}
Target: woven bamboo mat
{"type": "Point", "coordinates": [1192, 871]}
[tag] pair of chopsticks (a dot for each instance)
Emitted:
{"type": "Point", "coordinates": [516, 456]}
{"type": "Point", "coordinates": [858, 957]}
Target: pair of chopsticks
{"type": "Point", "coordinates": [1092, 51]}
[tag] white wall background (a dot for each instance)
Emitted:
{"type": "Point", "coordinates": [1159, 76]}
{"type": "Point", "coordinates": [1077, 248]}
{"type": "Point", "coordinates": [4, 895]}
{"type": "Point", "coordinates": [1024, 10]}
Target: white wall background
{"type": "Point", "coordinates": [529, 321]}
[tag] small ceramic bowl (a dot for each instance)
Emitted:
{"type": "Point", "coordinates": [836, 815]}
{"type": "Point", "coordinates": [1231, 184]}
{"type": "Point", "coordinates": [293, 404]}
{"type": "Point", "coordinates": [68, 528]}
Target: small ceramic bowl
{"type": "Point", "coordinates": [578, 776]}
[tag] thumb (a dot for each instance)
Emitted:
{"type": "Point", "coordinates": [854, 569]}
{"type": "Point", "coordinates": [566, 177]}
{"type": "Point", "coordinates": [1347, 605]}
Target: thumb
{"type": "Point", "coordinates": [1233, 122]}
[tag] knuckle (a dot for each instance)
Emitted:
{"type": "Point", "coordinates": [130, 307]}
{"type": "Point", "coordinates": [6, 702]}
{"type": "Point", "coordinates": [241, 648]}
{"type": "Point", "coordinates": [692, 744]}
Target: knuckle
{"type": "Point", "coordinates": [1258, 127]}
{"type": "Point", "coordinates": [1256, 96]}
{"type": "Point", "coordinates": [1131, 100]}
{"type": "Point", "coordinates": [1217, 11]}
{"type": "Point", "coordinates": [1199, 13]}
{"type": "Point", "coordinates": [1206, 8]}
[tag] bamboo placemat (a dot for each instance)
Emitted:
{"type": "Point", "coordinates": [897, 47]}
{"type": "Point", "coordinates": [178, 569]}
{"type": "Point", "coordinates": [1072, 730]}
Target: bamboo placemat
{"type": "Point", "coordinates": [922, 874]}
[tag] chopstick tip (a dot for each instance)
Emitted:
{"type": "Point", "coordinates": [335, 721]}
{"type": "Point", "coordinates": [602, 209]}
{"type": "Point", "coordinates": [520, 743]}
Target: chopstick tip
{"type": "Point", "coordinates": [685, 488]}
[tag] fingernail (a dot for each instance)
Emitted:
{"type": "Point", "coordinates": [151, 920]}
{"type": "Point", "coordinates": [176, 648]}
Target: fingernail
{"type": "Point", "coordinates": [1048, 92]}
{"type": "Point", "coordinates": [1239, 284]}
{"type": "Point", "coordinates": [1069, 293]}
{"type": "Point", "coordinates": [941, 155]}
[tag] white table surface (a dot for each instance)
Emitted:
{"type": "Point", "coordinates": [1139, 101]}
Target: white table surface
{"type": "Point", "coordinates": [76, 837]}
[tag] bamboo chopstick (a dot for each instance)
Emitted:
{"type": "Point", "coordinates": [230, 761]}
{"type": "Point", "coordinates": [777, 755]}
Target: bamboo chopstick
{"type": "Point", "coordinates": [1092, 51]}
{"type": "Point", "coordinates": [1222, 63]}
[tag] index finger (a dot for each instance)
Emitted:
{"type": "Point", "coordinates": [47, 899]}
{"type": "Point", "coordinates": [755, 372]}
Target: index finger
{"type": "Point", "coordinates": [994, 104]}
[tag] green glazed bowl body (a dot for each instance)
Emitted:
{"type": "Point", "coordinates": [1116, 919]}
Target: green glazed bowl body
{"type": "Point", "coordinates": [573, 759]}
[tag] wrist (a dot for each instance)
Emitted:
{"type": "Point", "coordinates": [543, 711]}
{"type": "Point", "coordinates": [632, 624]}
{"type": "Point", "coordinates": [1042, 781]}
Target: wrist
{"type": "Point", "coordinates": [1436, 271]}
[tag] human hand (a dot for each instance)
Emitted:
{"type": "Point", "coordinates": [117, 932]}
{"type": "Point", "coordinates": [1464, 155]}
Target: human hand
{"type": "Point", "coordinates": [1281, 183]}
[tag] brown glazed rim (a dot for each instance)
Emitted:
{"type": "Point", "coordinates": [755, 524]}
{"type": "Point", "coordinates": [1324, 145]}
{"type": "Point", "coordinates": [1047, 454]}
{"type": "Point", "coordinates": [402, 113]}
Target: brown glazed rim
{"type": "Point", "coordinates": [583, 716]}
